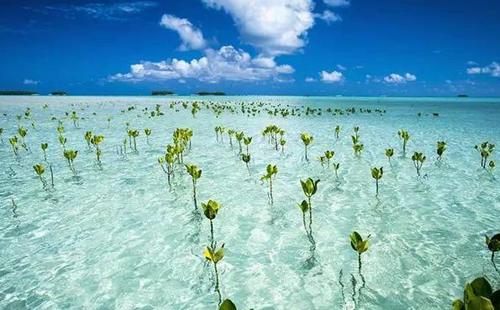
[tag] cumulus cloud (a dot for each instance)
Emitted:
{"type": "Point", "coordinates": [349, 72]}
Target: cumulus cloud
{"type": "Point", "coordinates": [329, 16]}
{"type": "Point", "coordinates": [395, 78]}
{"type": "Point", "coordinates": [227, 63]}
{"type": "Point", "coordinates": [275, 27]}
{"type": "Point", "coordinates": [492, 69]}
{"type": "Point", "coordinates": [331, 77]}
{"type": "Point", "coordinates": [310, 79]}
{"type": "Point", "coordinates": [191, 37]}
{"type": "Point", "coordinates": [336, 3]}
{"type": "Point", "coordinates": [30, 82]}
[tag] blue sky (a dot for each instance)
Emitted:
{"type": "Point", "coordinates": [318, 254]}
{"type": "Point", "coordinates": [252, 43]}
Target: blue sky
{"type": "Point", "coordinates": [296, 47]}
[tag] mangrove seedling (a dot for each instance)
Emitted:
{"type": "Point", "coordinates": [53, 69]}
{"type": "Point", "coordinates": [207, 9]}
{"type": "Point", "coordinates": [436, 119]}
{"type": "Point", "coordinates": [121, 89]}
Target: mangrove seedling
{"type": "Point", "coordinates": [227, 304]}
{"type": "Point", "coordinates": [418, 160]}
{"type": "Point", "coordinates": [329, 155]}
{"type": "Point", "coordinates": [147, 132]}
{"type": "Point", "coordinates": [309, 187]}
{"type": "Point", "coordinates": [337, 132]}
{"type": "Point", "coordinates": [70, 156]}
{"type": "Point", "coordinates": [1, 135]}
{"type": "Point", "coordinates": [271, 171]}
{"type": "Point", "coordinates": [405, 136]}
{"type": "Point", "coordinates": [247, 141]}
{"type": "Point", "coordinates": [74, 117]}
{"type": "Point", "coordinates": [493, 244]}
{"type": "Point", "coordinates": [230, 133]}
{"type": "Point", "coordinates": [96, 140]}
{"type": "Point", "coordinates": [246, 159]}
{"type": "Point", "coordinates": [13, 142]}
{"type": "Point", "coordinates": [210, 209]}
{"type": "Point", "coordinates": [336, 167]}
{"type": "Point", "coordinates": [485, 149]}
{"type": "Point", "coordinates": [239, 136]}
{"type": "Point", "coordinates": [62, 141]}
{"type": "Point", "coordinates": [44, 147]}
{"type": "Point", "coordinates": [282, 144]}
{"type": "Point", "coordinates": [377, 174]}
{"type": "Point", "coordinates": [215, 255]}
{"type": "Point", "coordinates": [195, 174]}
{"type": "Point", "coordinates": [134, 133]}
{"type": "Point", "coordinates": [39, 170]}
{"type": "Point", "coordinates": [389, 153]}
{"type": "Point", "coordinates": [478, 295]}
{"type": "Point", "coordinates": [88, 137]}
{"type": "Point", "coordinates": [360, 246]}
{"type": "Point", "coordinates": [306, 139]}
{"type": "Point", "coordinates": [491, 166]}
{"type": "Point", "coordinates": [440, 148]}
{"type": "Point", "coordinates": [22, 133]}
{"type": "Point", "coordinates": [358, 148]}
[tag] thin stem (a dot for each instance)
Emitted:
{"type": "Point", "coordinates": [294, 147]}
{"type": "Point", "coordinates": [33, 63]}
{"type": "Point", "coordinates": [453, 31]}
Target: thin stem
{"type": "Point", "coordinates": [271, 190]}
{"type": "Point", "coordinates": [194, 195]}
{"type": "Point", "coordinates": [217, 283]}
{"type": "Point", "coordinates": [212, 241]}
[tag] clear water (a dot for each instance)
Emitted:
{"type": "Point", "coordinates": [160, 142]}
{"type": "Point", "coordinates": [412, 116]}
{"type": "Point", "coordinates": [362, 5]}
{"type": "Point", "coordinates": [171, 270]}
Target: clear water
{"type": "Point", "coordinates": [117, 238]}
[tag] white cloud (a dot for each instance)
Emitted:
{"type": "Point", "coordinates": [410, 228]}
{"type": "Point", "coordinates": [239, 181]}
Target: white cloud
{"type": "Point", "coordinates": [341, 68]}
{"type": "Point", "coordinates": [275, 27]}
{"type": "Point", "coordinates": [336, 3]}
{"type": "Point", "coordinates": [191, 37]}
{"type": "Point", "coordinates": [492, 69]}
{"type": "Point", "coordinates": [227, 63]}
{"type": "Point", "coordinates": [30, 82]}
{"type": "Point", "coordinates": [310, 79]}
{"type": "Point", "coordinates": [329, 16]}
{"type": "Point", "coordinates": [99, 10]}
{"type": "Point", "coordinates": [331, 77]}
{"type": "Point", "coordinates": [395, 78]}
{"type": "Point", "coordinates": [472, 63]}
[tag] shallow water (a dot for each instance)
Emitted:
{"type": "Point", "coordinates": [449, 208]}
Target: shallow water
{"type": "Point", "coordinates": [116, 237]}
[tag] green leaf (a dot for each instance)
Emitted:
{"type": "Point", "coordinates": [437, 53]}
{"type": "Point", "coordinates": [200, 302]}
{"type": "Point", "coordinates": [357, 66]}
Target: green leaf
{"type": "Point", "coordinates": [481, 287]}
{"type": "Point", "coordinates": [227, 305]}
{"type": "Point", "coordinates": [458, 305]}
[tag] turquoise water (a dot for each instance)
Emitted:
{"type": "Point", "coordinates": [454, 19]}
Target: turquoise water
{"type": "Point", "coordinates": [116, 237]}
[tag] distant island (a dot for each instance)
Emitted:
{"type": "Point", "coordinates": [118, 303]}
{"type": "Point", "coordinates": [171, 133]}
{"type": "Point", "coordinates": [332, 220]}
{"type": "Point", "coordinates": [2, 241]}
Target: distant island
{"type": "Point", "coordinates": [207, 93]}
{"type": "Point", "coordinates": [58, 93]}
{"type": "Point", "coordinates": [162, 93]}
{"type": "Point", "coordinates": [462, 96]}
{"type": "Point", "coordinates": [17, 93]}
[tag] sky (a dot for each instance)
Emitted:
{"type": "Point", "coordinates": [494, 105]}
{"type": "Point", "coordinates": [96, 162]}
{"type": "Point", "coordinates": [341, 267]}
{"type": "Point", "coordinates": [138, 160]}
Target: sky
{"type": "Point", "coordinates": [252, 47]}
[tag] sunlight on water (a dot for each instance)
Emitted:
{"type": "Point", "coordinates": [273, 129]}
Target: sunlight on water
{"type": "Point", "coordinates": [114, 235]}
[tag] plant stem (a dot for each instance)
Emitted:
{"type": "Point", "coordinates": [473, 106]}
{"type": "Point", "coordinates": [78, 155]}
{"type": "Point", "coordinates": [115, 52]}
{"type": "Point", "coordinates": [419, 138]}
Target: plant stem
{"type": "Point", "coordinates": [217, 283]}
{"type": "Point", "coordinates": [212, 241]}
{"type": "Point", "coordinates": [194, 195]}
{"type": "Point", "coordinates": [376, 186]}
{"type": "Point", "coordinates": [271, 189]}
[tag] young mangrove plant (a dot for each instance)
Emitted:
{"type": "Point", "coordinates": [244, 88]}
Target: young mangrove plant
{"type": "Point", "coordinates": [440, 148]}
{"type": "Point", "coordinates": [74, 117]}
{"type": "Point", "coordinates": [70, 156]}
{"type": "Point", "coordinates": [147, 132]}
{"type": "Point", "coordinates": [227, 304]}
{"type": "Point", "coordinates": [168, 160]}
{"type": "Point", "coordinates": [22, 133]}
{"type": "Point", "coordinates": [13, 142]}
{"type": "Point", "coordinates": [282, 144]}
{"type": "Point", "coordinates": [247, 141]}
{"type": "Point", "coordinates": [62, 141]}
{"type": "Point", "coordinates": [239, 136]}
{"type": "Point", "coordinates": [271, 171]}
{"type": "Point", "coordinates": [195, 174]}
{"type": "Point", "coordinates": [40, 170]}
{"type": "Point", "coordinates": [360, 246]}
{"type": "Point", "coordinates": [329, 155]}
{"type": "Point", "coordinates": [478, 295]}
{"type": "Point", "coordinates": [88, 137]}
{"type": "Point", "coordinates": [246, 159]}
{"type": "Point", "coordinates": [307, 139]}
{"type": "Point", "coordinates": [210, 210]}
{"type": "Point", "coordinates": [485, 149]}
{"type": "Point", "coordinates": [358, 148]}
{"type": "Point", "coordinates": [491, 166]}
{"type": "Point", "coordinates": [336, 167]}
{"type": "Point", "coordinates": [377, 174]}
{"type": "Point", "coordinates": [230, 133]}
{"type": "Point", "coordinates": [215, 255]}
{"type": "Point", "coordinates": [1, 135]}
{"type": "Point", "coordinates": [493, 245]}
{"type": "Point", "coordinates": [418, 160]}
{"type": "Point", "coordinates": [309, 187]}
{"type": "Point", "coordinates": [389, 153]}
{"type": "Point", "coordinates": [96, 140]}
{"type": "Point", "coordinates": [405, 136]}
{"type": "Point", "coordinates": [337, 132]}
{"type": "Point", "coordinates": [44, 147]}
{"type": "Point", "coordinates": [133, 133]}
